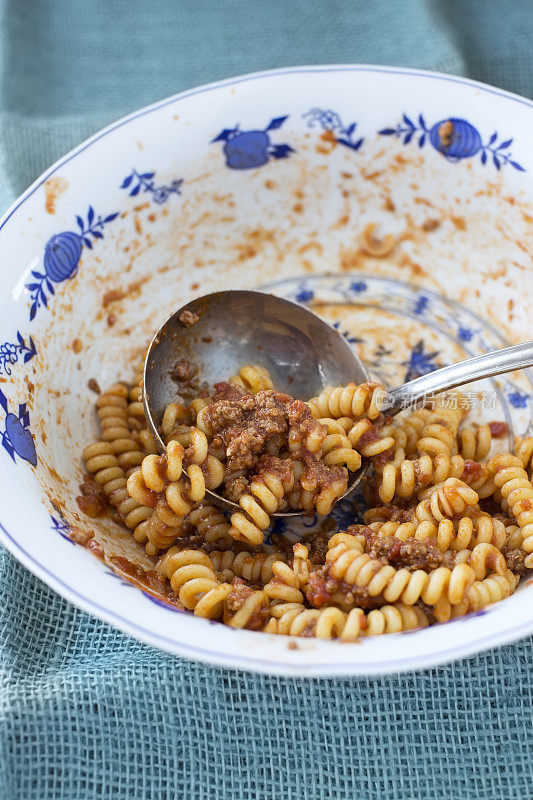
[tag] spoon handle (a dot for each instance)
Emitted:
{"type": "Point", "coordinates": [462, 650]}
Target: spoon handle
{"type": "Point", "coordinates": [519, 356]}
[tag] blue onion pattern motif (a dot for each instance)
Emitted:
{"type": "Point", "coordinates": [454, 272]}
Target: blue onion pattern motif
{"type": "Point", "coordinates": [421, 305]}
{"type": "Point", "coordinates": [305, 295]}
{"type": "Point", "coordinates": [420, 361]}
{"type": "Point", "coordinates": [250, 149]}
{"type": "Point", "coordinates": [518, 399]}
{"type": "Point", "coordinates": [17, 439]}
{"type": "Point", "coordinates": [61, 526]}
{"type": "Point", "coordinates": [62, 255]}
{"type": "Point", "coordinates": [10, 352]}
{"type": "Point", "coordinates": [455, 138]}
{"type": "Point", "coordinates": [350, 338]}
{"type": "Point", "coordinates": [137, 182]}
{"type": "Point", "coordinates": [330, 121]}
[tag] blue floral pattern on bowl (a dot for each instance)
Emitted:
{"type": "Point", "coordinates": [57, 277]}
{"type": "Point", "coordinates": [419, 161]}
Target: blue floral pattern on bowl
{"type": "Point", "coordinates": [11, 351]}
{"type": "Point", "coordinates": [330, 121]}
{"type": "Point", "coordinates": [455, 138]}
{"type": "Point", "coordinates": [253, 148]}
{"type": "Point", "coordinates": [144, 182]}
{"type": "Point", "coordinates": [60, 525]}
{"type": "Point", "coordinates": [511, 401]}
{"type": "Point", "coordinates": [17, 438]}
{"type": "Point", "coordinates": [61, 257]}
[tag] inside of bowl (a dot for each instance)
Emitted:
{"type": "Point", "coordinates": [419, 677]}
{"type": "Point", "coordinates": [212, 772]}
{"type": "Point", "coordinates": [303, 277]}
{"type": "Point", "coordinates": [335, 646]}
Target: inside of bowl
{"type": "Point", "coordinates": [418, 252]}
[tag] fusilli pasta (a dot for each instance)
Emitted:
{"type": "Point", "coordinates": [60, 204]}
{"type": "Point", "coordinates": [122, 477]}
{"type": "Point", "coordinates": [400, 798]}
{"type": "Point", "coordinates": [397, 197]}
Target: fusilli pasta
{"type": "Point", "coordinates": [453, 533]}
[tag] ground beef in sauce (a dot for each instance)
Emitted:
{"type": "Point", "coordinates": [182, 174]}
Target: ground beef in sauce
{"type": "Point", "coordinates": [317, 473]}
{"type": "Point", "coordinates": [188, 318]}
{"type": "Point", "coordinates": [183, 371]}
{"type": "Point", "coordinates": [371, 436]}
{"type": "Point", "coordinates": [235, 487]}
{"type": "Point", "coordinates": [474, 469]}
{"type": "Point", "coordinates": [302, 422]}
{"type": "Point", "coordinates": [272, 465]}
{"type": "Point", "coordinates": [498, 429]}
{"type": "Point", "coordinates": [411, 555]}
{"type": "Point", "coordinates": [392, 512]}
{"type": "Point", "coordinates": [92, 500]}
{"type": "Point", "coordinates": [238, 595]}
{"type": "Point", "coordinates": [324, 590]}
{"type": "Point", "coordinates": [317, 545]}
{"type": "Point", "coordinates": [244, 426]}
{"type": "Point", "coordinates": [515, 560]}
{"type": "Point", "coordinates": [382, 458]}
{"type": "Point", "coordinates": [227, 391]}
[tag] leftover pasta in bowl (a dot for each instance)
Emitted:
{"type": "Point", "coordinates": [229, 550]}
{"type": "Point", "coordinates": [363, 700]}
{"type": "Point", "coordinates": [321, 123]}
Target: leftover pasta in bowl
{"type": "Point", "coordinates": [397, 205]}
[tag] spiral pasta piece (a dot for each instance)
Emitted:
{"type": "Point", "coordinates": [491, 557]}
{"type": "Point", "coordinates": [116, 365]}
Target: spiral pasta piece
{"type": "Point", "coordinates": [408, 477]}
{"type": "Point", "coordinates": [484, 558]}
{"type": "Point", "coordinates": [516, 489]}
{"type": "Point", "coordinates": [192, 577]}
{"type": "Point", "coordinates": [378, 579]}
{"type": "Point", "coordinates": [253, 567]}
{"type": "Point", "coordinates": [159, 484]}
{"type": "Point", "coordinates": [266, 492]}
{"type": "Point", "coordinates": [147, 442]}
{"type": "Point", "coordinates": [112, 411]}
{"type": "Point", "coordinates": [457, 534]}
{"type": "Point", "coordinates": [119, 427]}
{"type": "Point", "coordinates": [491, 589]}
{"type": "Point", "coordinates": [449, 499]}
{"type": "Point", "coordinates": [175, 422]}
{"type": "Point", "coordinates": [284, 586]}
{"type": "Point", "coordinates": [523, 447]}
{"type": "Point", "coordinates": [400, 530]}
{"type": "Point", "coordinates": [337, 451]}
{"type": "Point", "coordinates": [474, 443]}
{"type": "Point", "coordinates": [394, 619]}
{"type": "Point", "coordinates": [312, 440]}
{"type": "Point", "coordinates": [436, 438]}
{"type": "Point", "coordinates": [513, 537]}
{"type": "Point", "coordinates": [367, 440]}
{"type": "Point", "coordinates": [366, 400]}
{"type": "Point", "coordinates": [412, 427]}
{"type": "Point", "coordinates": [252, 378]}
{"type": "Point", "coordinates": [136, 417]}
{"type": "Point", "coordinates": [162, 528]}
{"type": "Point", "coordinates": [439, 433]}
{"type": "Point", "coordinates": [104, 466]}
{"type": "Point", "coordinates": [212, 525]}
{"type": "Point", "coordinates": [396, 453]}
{"type": "Point", "coordinates": [329, 622]}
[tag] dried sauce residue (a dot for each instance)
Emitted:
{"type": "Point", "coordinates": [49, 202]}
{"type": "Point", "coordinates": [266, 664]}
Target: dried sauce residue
{"type": "Point", "coordinates": [53, 188]}
{"type": "Point", "coordinates": [114, 295]}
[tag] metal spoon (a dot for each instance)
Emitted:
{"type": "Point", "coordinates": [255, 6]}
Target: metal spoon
{"type": "Point", "coordinates": [302, 353]}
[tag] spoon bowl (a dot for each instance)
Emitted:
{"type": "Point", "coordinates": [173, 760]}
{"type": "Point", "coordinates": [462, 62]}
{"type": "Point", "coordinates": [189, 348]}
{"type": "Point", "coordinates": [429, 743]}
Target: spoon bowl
{"type": "Point", "coordinates": [302, 353]}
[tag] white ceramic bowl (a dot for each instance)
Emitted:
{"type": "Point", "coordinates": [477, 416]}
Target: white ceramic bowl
{"type": "Point", "coordinates": [267, 179]}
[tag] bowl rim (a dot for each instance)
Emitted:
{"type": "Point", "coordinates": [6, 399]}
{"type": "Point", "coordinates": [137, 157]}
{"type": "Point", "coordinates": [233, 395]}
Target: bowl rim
{"type": "Point", "coordinates": [240, 661]}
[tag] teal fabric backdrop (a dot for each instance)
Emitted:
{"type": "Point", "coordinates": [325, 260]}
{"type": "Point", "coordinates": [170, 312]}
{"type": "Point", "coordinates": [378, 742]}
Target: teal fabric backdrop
{"type": "Point", "coordinates": [86, 712]}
